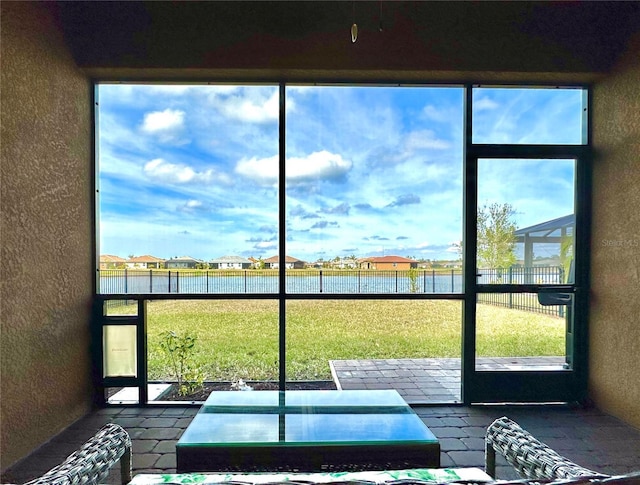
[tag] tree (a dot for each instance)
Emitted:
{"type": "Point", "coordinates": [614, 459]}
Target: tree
{"type": "Point", "coordinates": [413, 280]}
{"type": "Point", "coordinates": [566, 255]}
{"type": "Point", "coordinates": [458, 247]}
{"type": "Point", "coordinates": [496, 236]}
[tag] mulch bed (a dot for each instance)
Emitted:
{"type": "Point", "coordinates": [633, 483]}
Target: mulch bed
{"type": "Point", "coordinates": [202, 394]}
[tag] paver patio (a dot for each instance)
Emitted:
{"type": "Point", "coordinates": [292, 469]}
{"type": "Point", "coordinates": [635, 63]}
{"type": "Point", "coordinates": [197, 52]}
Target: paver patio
{"type": "Point", "coordinates": [424, 381]}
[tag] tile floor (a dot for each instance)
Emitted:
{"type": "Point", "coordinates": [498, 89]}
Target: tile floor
{"type": "Point", "coordinates": [586, 436]}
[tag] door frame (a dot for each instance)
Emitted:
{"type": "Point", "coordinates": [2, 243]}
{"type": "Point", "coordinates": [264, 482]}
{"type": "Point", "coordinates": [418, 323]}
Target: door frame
{"type": "Point", "coordinates": [565, 385]}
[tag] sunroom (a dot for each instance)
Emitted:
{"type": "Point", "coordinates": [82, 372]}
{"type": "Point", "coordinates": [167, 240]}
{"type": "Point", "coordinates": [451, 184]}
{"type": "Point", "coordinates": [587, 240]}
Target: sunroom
{"type": "Point", "coordinates": [57, 55]}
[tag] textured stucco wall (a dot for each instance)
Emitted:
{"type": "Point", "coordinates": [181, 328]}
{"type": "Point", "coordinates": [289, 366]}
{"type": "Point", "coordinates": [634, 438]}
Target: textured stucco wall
{"type": "Point", "coordinates": [45, 290]}
{"type": "Point", "coordinates": [614, 377]}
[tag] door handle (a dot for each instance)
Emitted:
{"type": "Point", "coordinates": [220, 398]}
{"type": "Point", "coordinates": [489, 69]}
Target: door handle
{"type": "Point", "coordinates": [554, 298]}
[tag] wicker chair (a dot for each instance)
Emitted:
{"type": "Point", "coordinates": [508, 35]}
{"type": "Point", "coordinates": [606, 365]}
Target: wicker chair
{"type": "Point", "coordinates": [628, 479]}
{"type": "Point", "coordinates": [531, 458]}
{"type": "Point", "coordinates": [91, 463]}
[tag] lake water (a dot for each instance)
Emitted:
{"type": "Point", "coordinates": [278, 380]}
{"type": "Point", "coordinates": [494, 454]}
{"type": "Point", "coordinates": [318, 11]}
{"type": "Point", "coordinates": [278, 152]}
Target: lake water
{"type": "Point", "coordinates": [143, 282]}
{"type": "Point", "coordinates": [301, 281]}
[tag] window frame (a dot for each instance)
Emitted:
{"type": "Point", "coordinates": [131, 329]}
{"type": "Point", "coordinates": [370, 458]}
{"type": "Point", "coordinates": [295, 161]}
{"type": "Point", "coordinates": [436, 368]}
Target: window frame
{"type": "Point", "coordinates": [471, 153]}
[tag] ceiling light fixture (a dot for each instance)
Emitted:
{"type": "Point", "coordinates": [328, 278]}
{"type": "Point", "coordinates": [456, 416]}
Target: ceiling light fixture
{"type": "Point", "coordinates": [354, 26]}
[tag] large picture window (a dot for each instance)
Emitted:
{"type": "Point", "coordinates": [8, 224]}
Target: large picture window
{"type": "Point", "coordinates": [189, 180]}
{"type": "Point", "coordinates": [258, 217]}
{"type": "Point", "coordinates": [187, 175]}
{"type": "Point", "coordinates": [374, 173]}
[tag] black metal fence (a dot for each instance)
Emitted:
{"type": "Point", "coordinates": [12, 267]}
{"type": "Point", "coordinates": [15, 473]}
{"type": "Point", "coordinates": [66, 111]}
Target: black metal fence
{"type": "Point", "coordinates": [140, 281]}
{"type": "Point", "coordinates": [520, 301]}
{"type": "Point", "coordinates": [521, 275]}
{"type": "Point", "coordinates": [135, 281]}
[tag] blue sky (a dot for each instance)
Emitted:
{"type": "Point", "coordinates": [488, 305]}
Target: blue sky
{"type": "Point", "coordinates": [370, 171]}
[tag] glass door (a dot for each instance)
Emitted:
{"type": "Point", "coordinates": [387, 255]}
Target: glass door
{"type": "Point", "coordinates": [526, 236]}
{"type": "Point", "coordinates": [525, 290]}
{"type": "Point", "coordinates": [524, 318]}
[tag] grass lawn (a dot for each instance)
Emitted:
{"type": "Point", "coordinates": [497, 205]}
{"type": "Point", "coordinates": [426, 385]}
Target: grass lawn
{"type": "Point", "coordinates": [238, 339]}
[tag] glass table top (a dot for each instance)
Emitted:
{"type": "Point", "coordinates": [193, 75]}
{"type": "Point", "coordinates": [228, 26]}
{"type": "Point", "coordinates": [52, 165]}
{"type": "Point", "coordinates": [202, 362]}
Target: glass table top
{"type": "Point", "coordinates": [295, 418]}
{"type": "Point", "coordinates": [306, 398]}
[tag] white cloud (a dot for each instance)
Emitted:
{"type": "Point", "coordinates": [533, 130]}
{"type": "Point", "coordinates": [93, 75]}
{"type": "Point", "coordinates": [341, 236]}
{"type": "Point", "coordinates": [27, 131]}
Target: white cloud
{"type": "Point", "coordinates": [318, 165]}
{"type": "Point", "coordinates": [484, 103]}
{"type": "Point", "coordinates": [193, 206]}
{"type": "Point", "coordinates": [434, 114]}
{"type": "Point", "coordinates": [163, 121]}
{"type": "Point", "coordinates": [171, 89]}
{"type": "Point", "coordinates": [360, 138]}
{"type": "Point", "coordinates": [322, 164]}
{"type": "Point", "coordinates": [262, 170]}
{"type": "Point", "coordinates": [166, 172]}
{"type": "Point", "coordinates": [424, 139]}
{"type": "Point", "coordinates": [249, 106]}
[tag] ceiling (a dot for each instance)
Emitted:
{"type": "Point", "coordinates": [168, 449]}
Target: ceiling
{"type": "Point", "coordinates": [306, 36]}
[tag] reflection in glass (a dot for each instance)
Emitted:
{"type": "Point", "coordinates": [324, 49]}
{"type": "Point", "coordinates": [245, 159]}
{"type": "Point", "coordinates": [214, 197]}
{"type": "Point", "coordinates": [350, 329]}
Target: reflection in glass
{"type": "Point", "coordinates": [225, 429]}
{"type": "Point", "coordinates": [286, 418]}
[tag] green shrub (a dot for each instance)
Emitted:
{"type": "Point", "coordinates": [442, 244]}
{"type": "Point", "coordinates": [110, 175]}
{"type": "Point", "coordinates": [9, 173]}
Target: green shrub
{"type": "Point", "coordinates": [180, 348]}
